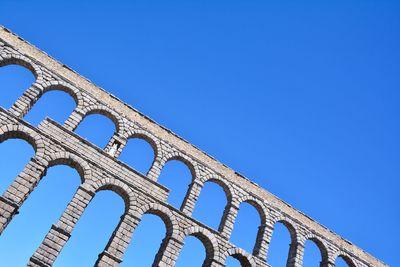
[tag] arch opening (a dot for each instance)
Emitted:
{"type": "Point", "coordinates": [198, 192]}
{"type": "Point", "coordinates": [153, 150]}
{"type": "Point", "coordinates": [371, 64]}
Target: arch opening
{"type": "Point", "coordinates": [14, 156]}
{"type": "Point", "coordinates": [176, 176]}
{"type": "Point", "coordinates": [344, 261]}
{"type": "Point", "coordinates": [279, 245]}
{"type": "Point", "coordinates": [237, 259]}
{"type": "Point", "coordinates": [211, 204]}
{"type": "Point", "coordinates": [93, 230]}
{"type": "Point", "coordinates": [139, 154]}
{"type": "Point", "coordinates": [193, 253]}
{"type": "Point", "coordinates": [146, 241]}
{"type": "Point", "coordinates": [97, 129]}
{"type": "Point", "coordinates": [312, 253]}
{"type": "Point", "coordinates": [231, 261]}
{"type": "Point", "coordinates": [15, 79]}
{"type": "Point", "coordinates": [23, 134]}
{"type": "Point", "coordinates": [55, 104]}
{"type": "Point", "coordinates": [245, 229]}
{"type": "Point", "coordinates": [43, 208]}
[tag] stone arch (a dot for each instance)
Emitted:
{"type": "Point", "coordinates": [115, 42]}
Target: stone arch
{"type": "Point", "coordinates": [66, 158]}
{"type": "Point", "coordinates": [118, 187]}
{"type": "Point", "coordinates": [190, 164]}
{"type": "Point", "coordinates": [209, 241]}
{"type": "Point", "coordinates": [166, 216]}
{"type": "Point", "coordinates": [125, 141]}
{"type": "Point", "coordinates": [52, 192]}
{"type": "Point", "coordinates": [345, 257]}
{"type": "Point", "coordinates": [132, 217]}
{"type": "Point", "coordinates": [290, 226]}
{"type": "Point", "coordinates": [323, 248]}
{"type": "Point", "coordinates": [141, 134]}
{"type": "Point", "coordinates": [257, 204]}
{"type": "Point", "coordinates": [10, 59]}
{"type": "Point", "coordinates": [62, 230]}
{"type": "Point", "coordinates": [239, 254]}
{"type": "Point", "coordinates": [20, 131]}
{"type": "Point", "coordinates": [71, 90]}
{"type": "Point", "coordinates": [36, 170]}
{"type": "Point", "coordinates": [230, 210]}
{"type": "Point", "coordinates": [107, 112]}
{"type": "Point", "coordinates": [259, 226]}
{"type": "Point", "coordinates": [219, 181]}
{"type": "Point", "coordinates": [179, 179]}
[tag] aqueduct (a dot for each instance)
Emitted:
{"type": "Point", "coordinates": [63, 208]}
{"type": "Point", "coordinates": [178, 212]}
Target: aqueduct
{"type": "Point", "coordinates": [100, 169]}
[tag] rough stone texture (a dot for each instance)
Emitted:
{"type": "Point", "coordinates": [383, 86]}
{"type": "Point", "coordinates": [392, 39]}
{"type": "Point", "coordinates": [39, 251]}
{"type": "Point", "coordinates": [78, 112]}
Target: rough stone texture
{"type": "Point", "coordinates": [100, 170]}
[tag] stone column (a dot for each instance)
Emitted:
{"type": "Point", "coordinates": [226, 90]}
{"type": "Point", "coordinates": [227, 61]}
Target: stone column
{"type": "Point", "coordinates": [25, 102]}
{"type": "Point", "coordinates": [115, 145]}
{"type": "Point", "coordinates": [228, 220]}
{"type": "Point", "coordinates": [19, 190]}
{"type": "Point", "coordinates": [191, 197]}
{"type": "Point", "coordinates": [74, 119]}
{"type": "Point", "coordinates": [263, 240]}
{"type": "Point", "coordinates": [168, 253]}
{"type": "Point", "coordinates": [119, 241]}
{"type": "Point", "coordinates": [60, 233]}
{"type": "Point", "coordinates": [295, 257]}
{"type": "Point", "coordinates": [8, 209]}
{"type": "Point", "coordinates": [155, 170]}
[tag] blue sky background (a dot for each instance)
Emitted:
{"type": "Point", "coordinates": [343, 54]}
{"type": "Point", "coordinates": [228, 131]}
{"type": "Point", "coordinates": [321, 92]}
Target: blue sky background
{"type": "Point", "coordinates": [300, 97]}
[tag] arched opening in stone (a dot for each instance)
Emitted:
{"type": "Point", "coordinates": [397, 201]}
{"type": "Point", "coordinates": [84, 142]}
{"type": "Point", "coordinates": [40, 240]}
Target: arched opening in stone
{"type": "Point", "coordinates": [43, 208]}
{"type": "Point", "coordinates": [139, 154]}
{"type": "Point", "coordinates": [210, 205]}
{"type": "Point", "coordinates": [14, 155]}
{"type": "Point", "coordinates": [176, 176]}
{"type": "Point", "coordinates": [312, 254]}
{"type": "Point", "coordinates": [279, 246]}
{"type": "Point", "coordinates": [343, 261]}
{"type": "Point", "coordinates": [55, 104]}
{"type": "Point", "coordinates": [97, 129]}
{"type": "Point", "coordinates": [246, 227]}
{"type": "Point", "coordinates": [192, 254]}
{"type": "Point", "coordinates": [93, 230]}
{"type": "Point", "coordinates": [146, 241]}
{"type": "Point", "coordinates": [14, 80]}
{"type": "Point", "coordinates": [232, 262]}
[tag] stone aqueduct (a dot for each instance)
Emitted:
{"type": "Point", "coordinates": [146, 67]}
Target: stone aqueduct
{"type": "Point", "coordinates": [100, 170]}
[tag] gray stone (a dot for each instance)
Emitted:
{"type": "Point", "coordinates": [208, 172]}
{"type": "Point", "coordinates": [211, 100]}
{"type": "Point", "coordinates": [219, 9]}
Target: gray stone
{"type": "Point", "coordinates": [99, 169]}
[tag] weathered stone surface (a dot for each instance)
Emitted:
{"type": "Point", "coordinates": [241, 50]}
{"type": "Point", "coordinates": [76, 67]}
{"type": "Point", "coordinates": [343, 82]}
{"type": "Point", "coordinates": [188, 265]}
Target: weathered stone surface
{"type": "Point", "coordinates": [99, 169]}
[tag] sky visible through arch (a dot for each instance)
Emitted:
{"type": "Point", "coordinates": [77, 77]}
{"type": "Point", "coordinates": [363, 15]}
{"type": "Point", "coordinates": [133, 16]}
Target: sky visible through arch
{"type": "Point", "coordinates": [302, 98]}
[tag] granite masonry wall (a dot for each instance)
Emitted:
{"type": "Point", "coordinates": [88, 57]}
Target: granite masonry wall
{"type": "Point", "coordinates": [100, 169]}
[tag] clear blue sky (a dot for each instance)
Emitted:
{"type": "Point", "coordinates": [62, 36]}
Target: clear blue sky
{"type": "Point", "coordinates": [300, 97]}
